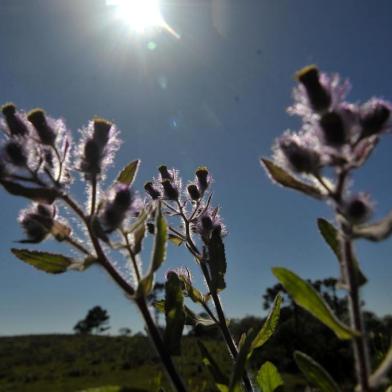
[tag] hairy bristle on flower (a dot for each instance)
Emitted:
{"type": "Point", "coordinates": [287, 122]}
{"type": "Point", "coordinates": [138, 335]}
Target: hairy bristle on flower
{"type": "Point", "coordinates": [333, 129]}
{"type": "Point", "coordinates": [16, 153]}
{"type": "Point", "coordinates": [375, 117]}
{"type": "Point", "coordinates": [15, 123]}
{"type": "Point", "coordinates": [358, 209]}
{"type": "Point", "coordinates": [170, 190]}
{"type": "Point", "coordinates": [152, 191]}
{"type": "Point", "coordinates": [101, 131]}
{"type": "Point", "coordinates": [319, 97]}
{"type": "Point", "coordinates": [164, 172]}
{"type": "Point", "coordinates": [44, 131]}
{"type": "Point", "coordinates": [203, 178]}
{"type": "Point", "coordinates": [193, 192]}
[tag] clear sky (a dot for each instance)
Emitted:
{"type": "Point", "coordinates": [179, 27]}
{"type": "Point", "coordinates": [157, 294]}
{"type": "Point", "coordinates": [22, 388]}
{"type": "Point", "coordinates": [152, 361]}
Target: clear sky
{"type": "Point", "coordinates": [217, 97]}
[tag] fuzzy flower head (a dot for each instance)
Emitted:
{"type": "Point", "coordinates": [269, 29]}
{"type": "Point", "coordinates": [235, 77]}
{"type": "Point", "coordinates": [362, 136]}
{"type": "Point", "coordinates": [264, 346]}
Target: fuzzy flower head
{"type": "Point", "coordinates": [317, 92]}
{"type": "Point", "coordinates": [15, 123]}
{"type": "Point", "coordinates": [167, 186]}
{"type": "Point", "coordinates": [300, 152]}
{"type": "Point", "coordinates": [375, 117]}
{"type": "Point", "coordinates": [358, 209]}
{"type": "Point", "coordinates": [182, 273]}
{"type": "Point", "coordinates": [119, 204]}
{"type": "Point", "coordinates": [99, 144]}
{"type": "Point", "coordinates": [37, 221]}
{"type": "Point", "coordinates": [207, 222]}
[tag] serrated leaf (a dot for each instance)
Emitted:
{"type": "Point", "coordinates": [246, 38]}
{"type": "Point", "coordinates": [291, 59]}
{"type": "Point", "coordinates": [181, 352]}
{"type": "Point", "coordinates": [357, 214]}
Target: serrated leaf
{"type": "Point", "coordinates": [217, 261]}
{"type": "Point", "coordinates": [279, 175]}
{"type": "Point", "coordinates": [175, 239]}
{"type": "Point", "coordinates": [45, 195]}
{"type": "Point", "coordinates": [175, 314]}
{"type": "Point", "coordinates": [331, 236]}
{"type": "Point", "coordinates": [241, 360]}
{"type": "Point", "coordinates": [269, 326]}
{"type": "Point", "coordinates": [307, 297]}
{"type": "Point", "coordinates": [49, 262]}
{"type": "Point", "coordinates": [268, 378]}
{"type": "Point", "coordinates": [315, 373]}
{"type": "Point", "coordinates": [128, 173]}
{"type": "Point", "coordinates": [220, 379]}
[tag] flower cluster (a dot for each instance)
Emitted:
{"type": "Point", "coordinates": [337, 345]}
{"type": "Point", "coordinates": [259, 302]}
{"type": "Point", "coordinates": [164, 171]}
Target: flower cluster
{"type": "Point", "coordinates": [334, 133]}
{"type": "Point", "coordinates": [35, 147]}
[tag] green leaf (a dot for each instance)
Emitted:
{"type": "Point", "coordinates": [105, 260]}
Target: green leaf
{"type": "Point", "coordinates": [315, 373]}
{"type": "Point", "coordinates": [279, 175]}
{"type": "Point", "coordinates": [175, 314]}
{"type": "Point", "coordinates": [138, 236]}
{"type": "Point", "coordinates": [45, 195]}
{"type": "Point", "coordinates": [241, 360]}
{"type": "Point", "coordinates": [331, 236]}
{"type": "Point", "coordinates": [307, 297]}
{"type": "Point", "coordinates": [193, 319]}
{"type": "Point", "coordinates": [44, 261]}
{"type": "Point", "coordinates": [128, 174]}
{"type": "Point", "coordinates": [217, 261]}
{"type": "Point", "coordinates": [159, 251]}
{"type": "Point", "coordinates": [268, 378]}
{"type": "Point", "coordinates": [220, 379]}
{"type": "Point", "coordinates": [269, 326]}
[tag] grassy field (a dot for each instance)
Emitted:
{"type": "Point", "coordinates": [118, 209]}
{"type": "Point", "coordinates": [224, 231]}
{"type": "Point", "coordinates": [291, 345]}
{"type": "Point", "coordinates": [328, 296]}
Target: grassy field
{"type": "Point", "coordinates": [74, 363]}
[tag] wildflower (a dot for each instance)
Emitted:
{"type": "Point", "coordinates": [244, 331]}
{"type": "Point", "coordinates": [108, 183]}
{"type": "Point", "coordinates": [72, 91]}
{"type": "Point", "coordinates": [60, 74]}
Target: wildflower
{"type": "Point", "coordinates": [98, 147]}
{"type": "Point", "coordinates": [165, 173]}
{"type": "Point", "coordinates": [299, 152]}
{"type": "Point", "coordinates": [333, 128]}
{"type": "Point", "coordinates": [207, 222]}
{"type": "Point", "coordinates": [15, 122]}
{"type": "Point", "coordinates": [317, 93]}
{"type": "Point", "coordinates": [375, 117]}
{"type": "Point", "coordinates": [193, 192]}
{"type": "Point", "coordinates": [358, 208]}
{"type": "Point", "coordinates": [15, 153]}
{"type": "Point", "coordinates": [116, 207]}
{"type": "Point", "coordinates": [203, 179]}
{"type": "Point", "coordinates": [37, 222]}
{"type": "Point", "coordinates": [170, 190]}
{"type": "Point", "coordinates": [152, 190]}
{"type": "Point", "coordinates": [43, 126]}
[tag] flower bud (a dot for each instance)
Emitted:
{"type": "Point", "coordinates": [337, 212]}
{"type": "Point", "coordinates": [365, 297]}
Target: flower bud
{"type": "Point", "coordinates": [193, 192]}
{"type": "Point", "coordinates": [318, 95]}
{"type": "Point", "coordinates": [202, 176]}
{"type": "Point", "coordinates": [15, 124]}
{"type": "Point", "coordinates": [358, 209]}
{"type": "Point", "coordinates": [91, 158]}
{"type": "Point", "coordinates": [37, 222]}
{"type": "Point", "coordinates": [374, 120]}
{"type": "Point", "coordinates": [45, 132]}
{"type": "Point", "coordinates": [152, 191]}
{"type": "Point", "coordinates": [301, 159]}
{"type": "Point", "coordinates": [165, 174]}
{"type": "Point", "coordinates": [101, 131]}
{"type": "Point", "coordinates": [16, 154]}
{"type": "Point", "coordinates": [333, 129]}
{"type": "Point", "coordinates": [169, 190]}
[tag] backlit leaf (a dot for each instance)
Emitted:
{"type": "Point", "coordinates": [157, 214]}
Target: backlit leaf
{"type": "Point", "coordinates": [268, 378]}
{"type": "Point", "coordinates": [307, 297]}
{"type": "Point", "coordinates": [128, 174]}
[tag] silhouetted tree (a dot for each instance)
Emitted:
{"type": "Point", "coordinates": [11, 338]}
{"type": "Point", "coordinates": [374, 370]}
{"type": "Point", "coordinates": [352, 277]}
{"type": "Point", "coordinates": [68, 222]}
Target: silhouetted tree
{"type": "Point", "coordinates": [96, 321]}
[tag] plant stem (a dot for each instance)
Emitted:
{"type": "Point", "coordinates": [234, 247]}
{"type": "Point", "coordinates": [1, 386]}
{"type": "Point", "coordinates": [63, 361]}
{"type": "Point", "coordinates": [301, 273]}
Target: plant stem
{"type": "Point", "coordinates": [93, 194]}
{"type": "Point", "coordinates": [361, 356]}
{"type": "Point", "coordinates": [160, 347]}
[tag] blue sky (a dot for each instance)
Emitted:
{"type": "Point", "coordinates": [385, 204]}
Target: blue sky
{"type": "Point", "coordinates": [215, 97]}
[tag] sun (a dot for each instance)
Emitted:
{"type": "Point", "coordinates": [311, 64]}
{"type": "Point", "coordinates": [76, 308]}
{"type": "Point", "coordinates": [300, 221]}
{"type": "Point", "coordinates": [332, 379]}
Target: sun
{"type": "Point", "coordinates": [140, 15]}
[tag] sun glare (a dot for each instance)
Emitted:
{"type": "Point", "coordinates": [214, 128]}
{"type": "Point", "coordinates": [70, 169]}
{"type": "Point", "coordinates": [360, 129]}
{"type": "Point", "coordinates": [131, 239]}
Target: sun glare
{"type": "Point", "coordinates": [140, 15]}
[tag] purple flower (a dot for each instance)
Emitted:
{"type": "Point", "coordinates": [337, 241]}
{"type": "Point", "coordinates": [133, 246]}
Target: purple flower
{"type": "Point", "coordinates": [167, 186]}
{"type": "Point", "coordinates": [99, 143]}
{"type": "Point", "coordinates": [208, 221]}
{"type": "Point", "coordinates": [45, 127]}
{"type": "Point", "coordinates": [203, 179]}
{"type": "Point", "coordinates": [37, 221]}
{"type": "Point", "coordinates": [358, 208]}
{"type": "Point", "coordinates": [300, 152]}
{"type": "Point", "coordinates": [119, 203]}
{"type": "Point", "coordinates": [193, 192]}
{"type": "Point", "coordinates": [375, 117]}
{"type": "Point", "coordinates": [15, 124]}
{"type": "Point", "coordinates": [317, 93]}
